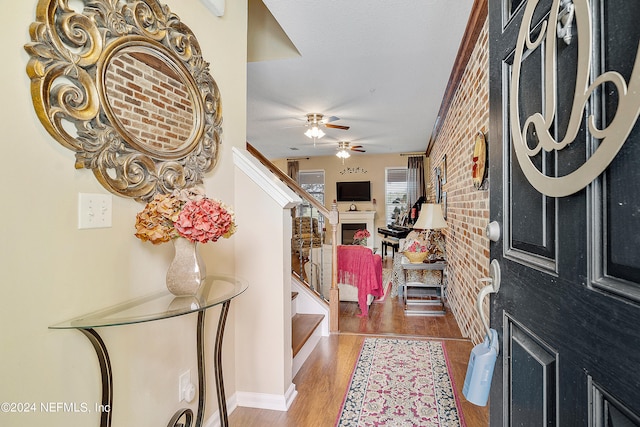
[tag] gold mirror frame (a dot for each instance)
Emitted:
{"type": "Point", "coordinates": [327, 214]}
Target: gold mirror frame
{"type": "Point", "coordinates": [71, 54]}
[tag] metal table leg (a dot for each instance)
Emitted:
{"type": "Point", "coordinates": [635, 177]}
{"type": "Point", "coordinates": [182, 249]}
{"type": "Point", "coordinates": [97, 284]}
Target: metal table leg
{"type": "Point", "coordinates": [222, 403]}
{"type": "Point", "coordinates": [182, 417]}
{"type": "Point", "coordinates": [106, 374]}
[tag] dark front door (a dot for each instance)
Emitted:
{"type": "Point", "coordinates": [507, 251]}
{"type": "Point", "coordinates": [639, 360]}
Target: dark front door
{"type": "Point", "coordinates": [565, 189]}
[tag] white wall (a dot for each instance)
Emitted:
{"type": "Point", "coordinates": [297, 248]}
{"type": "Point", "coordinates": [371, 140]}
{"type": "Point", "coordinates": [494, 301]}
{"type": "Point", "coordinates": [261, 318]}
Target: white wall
{"type": "Point", "coordinates": [263, 349]}
{"type": "Point", "coordinates": [51, 271]}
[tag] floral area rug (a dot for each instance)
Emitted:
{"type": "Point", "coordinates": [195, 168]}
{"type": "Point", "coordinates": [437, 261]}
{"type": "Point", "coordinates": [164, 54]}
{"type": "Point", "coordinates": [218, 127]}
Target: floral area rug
{"type": "Point", "coordinates": [398, 382]}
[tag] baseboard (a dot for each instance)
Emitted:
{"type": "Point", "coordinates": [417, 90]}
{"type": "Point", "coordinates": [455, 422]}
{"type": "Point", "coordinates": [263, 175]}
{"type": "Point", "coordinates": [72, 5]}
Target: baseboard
{"type": "Point", "coordinates": [214, 420]}
{"type": "Point", "coordinates": [273, 402]}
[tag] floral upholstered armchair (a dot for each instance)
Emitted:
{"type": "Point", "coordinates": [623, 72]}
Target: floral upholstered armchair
{"type": "Point", "coordinates": [305, 235]}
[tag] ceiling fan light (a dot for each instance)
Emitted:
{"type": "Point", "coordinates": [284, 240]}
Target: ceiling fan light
{"type": "Point", "coordinates": [343, 154]}
{"type": "Point", "coordinates": [314, 132]}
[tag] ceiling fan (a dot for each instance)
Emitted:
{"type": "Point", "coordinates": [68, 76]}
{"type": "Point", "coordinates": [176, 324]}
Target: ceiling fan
{"type": "Point", "coordinates": [345, 146]}
{"type": "Point", "coordinates": [316, 120]}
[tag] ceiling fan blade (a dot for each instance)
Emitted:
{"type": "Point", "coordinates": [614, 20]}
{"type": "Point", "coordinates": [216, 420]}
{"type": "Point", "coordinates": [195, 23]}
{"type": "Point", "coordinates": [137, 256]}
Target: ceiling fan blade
{"type": "Point", "coordinates": [356, 146]}
{"type": "Point", "coordinates": [336, 126]}
{"type": "Point", "coordinates": [358, 150]}
{"type": "Point", "coordinates": [330, 119]}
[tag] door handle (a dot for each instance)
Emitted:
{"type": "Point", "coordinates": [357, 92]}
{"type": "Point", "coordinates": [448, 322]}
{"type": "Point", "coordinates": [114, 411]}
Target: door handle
{"type": "Point", "coordinates": [482, 360]}
{"type": "Point", "coordinates": [492, 288]}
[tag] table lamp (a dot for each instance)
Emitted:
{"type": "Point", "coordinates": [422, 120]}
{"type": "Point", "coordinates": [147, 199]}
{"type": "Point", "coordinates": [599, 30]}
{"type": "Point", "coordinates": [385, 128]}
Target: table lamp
{"type": "Point", "coordinates": [431, 218]}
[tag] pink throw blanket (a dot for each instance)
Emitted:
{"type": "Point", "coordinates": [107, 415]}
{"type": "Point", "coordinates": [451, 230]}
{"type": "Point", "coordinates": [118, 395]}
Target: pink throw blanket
{"type": "Point", "coordinates": [358, 266]}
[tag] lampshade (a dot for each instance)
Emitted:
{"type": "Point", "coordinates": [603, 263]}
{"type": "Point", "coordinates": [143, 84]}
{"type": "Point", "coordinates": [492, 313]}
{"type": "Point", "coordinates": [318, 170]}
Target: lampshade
{"type": "Point", "coordinates": [430, 218]}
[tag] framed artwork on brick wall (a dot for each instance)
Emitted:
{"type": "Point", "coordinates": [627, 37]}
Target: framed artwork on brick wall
{"type": "Point", "coordinates": [438, 185]}
{"type": "Point", "coordinates": [479, 169]}
{"type": "Point", "coordinates": [444, 204]}
{"type": "Point", "coordinates": [444, 169]}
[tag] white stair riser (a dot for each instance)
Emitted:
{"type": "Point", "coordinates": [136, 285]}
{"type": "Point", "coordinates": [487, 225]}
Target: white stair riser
{"type": "Point", "coordinates": [306, 350]}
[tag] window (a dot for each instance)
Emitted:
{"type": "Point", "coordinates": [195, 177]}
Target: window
{"type": "Point", "coordinates": [395, 194]}
{"type": "Point", "coordinates": [313, 183]}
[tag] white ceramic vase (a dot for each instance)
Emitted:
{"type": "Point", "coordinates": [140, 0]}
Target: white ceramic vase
{"type": "Point", "coordinates": [187, 270]}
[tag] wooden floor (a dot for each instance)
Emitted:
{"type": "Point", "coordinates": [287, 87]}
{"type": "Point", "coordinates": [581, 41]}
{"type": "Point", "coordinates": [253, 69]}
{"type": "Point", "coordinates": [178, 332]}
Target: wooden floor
{"type": "Point", "coordinates": [323, 380]}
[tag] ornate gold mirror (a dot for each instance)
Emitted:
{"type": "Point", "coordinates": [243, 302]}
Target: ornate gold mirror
{"type": "Point", "coordinates": [124, 85]}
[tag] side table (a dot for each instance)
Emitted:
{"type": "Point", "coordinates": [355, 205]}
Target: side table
{"type": "Point", "coordinates": [414, 293]}
{"type": "Point", "coordinates": [216, 290]}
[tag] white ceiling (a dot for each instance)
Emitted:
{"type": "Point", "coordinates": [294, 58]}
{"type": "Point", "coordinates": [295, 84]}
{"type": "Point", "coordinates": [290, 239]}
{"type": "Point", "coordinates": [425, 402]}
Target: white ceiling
{"type": "Point", "coordinates": [381, 66]}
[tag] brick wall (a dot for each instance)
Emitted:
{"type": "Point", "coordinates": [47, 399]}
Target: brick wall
{"type": "Point", "coordinates": [467, 208]}
{"type": "Point", "coordinates": [150, 101]}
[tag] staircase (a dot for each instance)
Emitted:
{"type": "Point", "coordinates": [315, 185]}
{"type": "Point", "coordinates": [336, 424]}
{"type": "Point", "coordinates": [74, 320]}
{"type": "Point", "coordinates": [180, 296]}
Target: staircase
{"type": "Point", "coordinates": [331, 218]}
{"type": "Point", "coordinates": [313, 314]}
{"type": "Point", "coordinates": [309, 322]}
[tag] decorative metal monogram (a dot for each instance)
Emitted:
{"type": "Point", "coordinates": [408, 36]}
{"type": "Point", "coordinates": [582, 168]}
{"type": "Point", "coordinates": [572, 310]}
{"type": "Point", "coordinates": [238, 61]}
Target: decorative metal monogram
{"type": "Point", "coordinates": [612, 137]}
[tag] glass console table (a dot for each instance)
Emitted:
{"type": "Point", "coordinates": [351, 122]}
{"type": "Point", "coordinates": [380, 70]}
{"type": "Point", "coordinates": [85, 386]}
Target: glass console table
{"type": "Point", "coordinates": [216, 290]}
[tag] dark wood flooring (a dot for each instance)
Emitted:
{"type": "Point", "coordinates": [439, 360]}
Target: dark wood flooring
{"type": "Point", "coordinates": [323, 380]}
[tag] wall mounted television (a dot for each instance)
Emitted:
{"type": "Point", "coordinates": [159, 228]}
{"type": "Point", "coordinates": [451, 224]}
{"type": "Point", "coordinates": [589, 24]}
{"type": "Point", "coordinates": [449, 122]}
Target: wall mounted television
{"type": "Point", "coordinates": [353, 191]}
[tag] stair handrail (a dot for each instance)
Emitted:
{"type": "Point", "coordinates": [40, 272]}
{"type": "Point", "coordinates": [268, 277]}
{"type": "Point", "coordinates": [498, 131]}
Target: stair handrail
{"type": "Point", "coordinates": [288, 181]}
{"type": "Point", "coordinates": [333, 217]}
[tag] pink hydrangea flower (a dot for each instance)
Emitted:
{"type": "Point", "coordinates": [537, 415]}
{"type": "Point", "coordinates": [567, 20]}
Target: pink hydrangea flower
{"type": "Point", "coordinates": [203, 221]}
{"type": "Point", "coordinates": [417, 247]}
{"type": "Point", "coordinates": [185, 213]}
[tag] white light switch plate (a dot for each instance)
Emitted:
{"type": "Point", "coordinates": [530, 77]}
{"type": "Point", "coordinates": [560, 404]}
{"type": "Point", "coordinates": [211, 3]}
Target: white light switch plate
{"type": "Point", "coordinates": [94, 210]}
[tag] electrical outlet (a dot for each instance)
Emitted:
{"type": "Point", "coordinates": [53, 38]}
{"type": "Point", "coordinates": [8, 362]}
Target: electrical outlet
{"type": "Point", "coordinates": [184, 382]}
{"type": "Point", "coordinates": [94, 210]}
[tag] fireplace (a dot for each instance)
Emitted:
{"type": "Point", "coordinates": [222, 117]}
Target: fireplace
{"type": "Point", "coordinates": [348, 230]}
{"type": "Point", "coordinates": [354, 221]}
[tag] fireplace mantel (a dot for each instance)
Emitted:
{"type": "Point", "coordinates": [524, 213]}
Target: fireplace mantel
{"type": "Point", "coordinates": [365, 217]}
